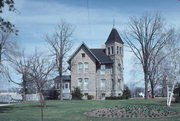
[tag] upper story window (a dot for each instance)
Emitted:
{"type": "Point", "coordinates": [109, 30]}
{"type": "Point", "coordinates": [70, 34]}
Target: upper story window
{"type": "Point", "coordinates": [80, 67]}
{"type": "Point", "coordinates": [120, 49]}
{"type": "Point", "coordinates": [83, 55]}
{"type": "Point", "coordinates": [112, 50]}
{"type": "Point", "coordinates": [109, 51]}
{"type": "Point", "coordinates": [102, 69]}
{"type": "Point", "coordinates": [103, 84]}
{"type": "Point", "coordinates": [117, 49]}
{"type": "Point", "coordinates": [86, 67]}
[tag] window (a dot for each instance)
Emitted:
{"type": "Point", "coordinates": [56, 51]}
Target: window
{"type": "Point", "coordinates": [83, 55]}
{"type": "Point", "coordinates": [117, 49]}
{"type": "Point", "coordinates": [103, 96]}
{"type": "Point", "coordinates": [85, 85]}
{"type": "Point", "coordinates": [80, 67]}
{"type": "Point", "coordinates": [57, 85]}
{"type": "Point", "coordinates": [109, 52]}
{"type": "Point", "coordinates": [80, 83]}
{"type": "Point", "coordinates": [119, 84]}
{"type": "Point", "coordinates": [102, 69]}
{"type": "Point", "coordinates": [103, 84]}
{"type": "Point", "coordinates": [120, 49]}
{"type": "Point", "coordinates": [113, 85]}
{"type": "Point", "coordinates": [119, 66]}
{"type": "Point", "coordinates": [66, 86]}
{"type": "Point", "coordinates": [86, 67]}
{"type": "Point", "coordinates": [112, 50]}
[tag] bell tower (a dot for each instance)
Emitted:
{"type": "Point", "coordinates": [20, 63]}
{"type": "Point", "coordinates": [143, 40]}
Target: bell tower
{"type": "Point", "coordinates": [115, 50]}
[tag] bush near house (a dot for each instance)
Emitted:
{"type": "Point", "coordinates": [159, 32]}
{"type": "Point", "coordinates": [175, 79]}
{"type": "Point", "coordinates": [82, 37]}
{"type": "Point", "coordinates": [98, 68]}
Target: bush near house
{"type": "Point", "coordinates": [177, 94]}
{"type": "Point", "coordinates": [90, 97]}
{"type": "Point", "coordinates": [126, 93]}
{"type": "Point", "coordinates": [77, 94]}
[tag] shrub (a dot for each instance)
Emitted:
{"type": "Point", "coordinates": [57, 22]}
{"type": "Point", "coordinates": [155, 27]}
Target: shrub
{"type": "Point", "coordinates": [177, 94]}
{"type": "Point", "coordinates": [114, 98]}
{"type": "Point", "coordinates": [77, 94]}
{"type": "Point", "coordinates": [90, 97]}
{"type": "Point", "coordinates": [126, 93]}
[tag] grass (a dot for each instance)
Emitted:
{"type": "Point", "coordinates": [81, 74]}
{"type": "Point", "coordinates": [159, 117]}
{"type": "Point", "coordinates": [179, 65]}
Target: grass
{"type": "Point", "coordinates": [74, 110]}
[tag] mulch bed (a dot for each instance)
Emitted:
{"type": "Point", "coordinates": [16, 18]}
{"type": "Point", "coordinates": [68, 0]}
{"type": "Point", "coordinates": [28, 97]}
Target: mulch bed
{"type": "Point", "coordinates": [134, 111]}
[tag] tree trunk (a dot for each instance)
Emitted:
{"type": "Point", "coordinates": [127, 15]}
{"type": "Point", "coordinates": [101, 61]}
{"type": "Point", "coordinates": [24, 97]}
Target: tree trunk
{"type": "Point", "coordinates": [146, 85]}
{"type": "Point", "coordinates": [61, 80]}
{"type": "Point", "coordinates": [24, 84]}
{"type": "Point", "coordinates": [152, 89]}
{"type": "Point", "coordinates": [61, 89]}
{"type": "Point", "coordinates": [42, 105]}
{"type": "Point", "coordinates": [0, 54]}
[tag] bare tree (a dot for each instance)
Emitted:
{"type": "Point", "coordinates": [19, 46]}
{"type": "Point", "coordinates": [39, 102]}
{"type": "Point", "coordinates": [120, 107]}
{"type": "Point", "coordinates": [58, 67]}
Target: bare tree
{"type": "Point", "coordinates": [21, 64]}
{"type": "Point", "coordinates": [146, 39]}
{"type": "Point", "coordinates": [7, 49]}
{"type": "Point", "coordinates": [156, 72]}
{"type": "Point", "coordinates": [61, 43]}
{"type": "Point", "coordinates": [40, 71]}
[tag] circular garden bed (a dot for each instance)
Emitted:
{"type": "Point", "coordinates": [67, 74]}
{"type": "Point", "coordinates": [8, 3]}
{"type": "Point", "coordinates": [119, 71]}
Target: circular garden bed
{"type": "Point", "coordinates": [134, 111]}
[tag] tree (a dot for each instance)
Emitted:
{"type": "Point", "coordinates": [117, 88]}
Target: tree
{"type": "Point", "coordinates": [146, 39]}
{"type": "Point", "coordinates": [21, 64]}
{"type": "Point", "coordinates": [61, 43]}
{"type": "Point", "coordinates": [7, 50]}
{"type": "Point", "coordinates": [5, 24]}
{"type": "Point", "coordinates": [40, 71]}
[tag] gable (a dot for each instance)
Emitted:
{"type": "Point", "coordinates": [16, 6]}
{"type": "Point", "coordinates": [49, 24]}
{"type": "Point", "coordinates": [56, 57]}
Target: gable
{"type": "Point", "coordinates": [85, 49]}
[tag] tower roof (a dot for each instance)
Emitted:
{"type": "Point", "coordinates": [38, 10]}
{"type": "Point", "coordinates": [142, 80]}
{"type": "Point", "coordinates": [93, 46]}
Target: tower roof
{"type": "Point", "coordinates": [114, 37]}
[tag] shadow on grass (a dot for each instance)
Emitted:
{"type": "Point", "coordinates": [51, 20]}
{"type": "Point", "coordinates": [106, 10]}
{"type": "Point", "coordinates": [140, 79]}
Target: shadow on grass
{"type": "Point", "coordinates": [4, 109]}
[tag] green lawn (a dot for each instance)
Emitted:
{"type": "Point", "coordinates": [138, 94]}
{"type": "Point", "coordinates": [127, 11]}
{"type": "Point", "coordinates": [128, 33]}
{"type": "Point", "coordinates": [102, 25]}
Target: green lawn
{"type": "Point", "coordinates": [71, 110]}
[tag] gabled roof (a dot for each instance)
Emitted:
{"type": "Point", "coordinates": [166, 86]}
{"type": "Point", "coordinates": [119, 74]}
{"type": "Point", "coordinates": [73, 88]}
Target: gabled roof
{"type": "Point", "coordinates": [114, 37]}
{"type": "Point", "coordinates": [101, 55]}
{"type": "Point", "coordinates": [83, 44]}
{"type": "Point", "coordinates": [98, 54]}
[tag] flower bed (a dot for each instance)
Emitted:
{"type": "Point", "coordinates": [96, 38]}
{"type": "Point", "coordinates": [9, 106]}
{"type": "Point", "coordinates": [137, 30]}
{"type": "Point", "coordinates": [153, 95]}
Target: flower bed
{"type": "Point", "coordinates": [134, 111]}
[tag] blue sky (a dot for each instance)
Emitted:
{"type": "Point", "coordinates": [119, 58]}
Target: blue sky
{"type": "Point", "coordinates": [93, 21]}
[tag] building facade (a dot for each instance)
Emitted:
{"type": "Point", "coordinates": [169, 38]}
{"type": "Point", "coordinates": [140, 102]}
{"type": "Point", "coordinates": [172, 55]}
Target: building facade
{"type": "Point", "coordinates": [99, 72]}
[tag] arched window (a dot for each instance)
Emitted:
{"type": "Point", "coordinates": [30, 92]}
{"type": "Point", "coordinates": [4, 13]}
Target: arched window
{"type": "Point", "coordinates": [109, 51]}
{"type": "Point", "coordinates": [103, 84]}
{"type": "Point", "coordinates": [80, 67]}
{"type": "Point", "coordinates": [112, 50]}
{"type": "Point", "coordinates": [85, 85]}
{"type": "Point", "coordinates": [86, 67]}
{"type": "Point", "coordinates": [80, 83]}
{"type": "Point", "coordinates": [102, 69]}
{"type": "Point", "coordinates": [120, 49]}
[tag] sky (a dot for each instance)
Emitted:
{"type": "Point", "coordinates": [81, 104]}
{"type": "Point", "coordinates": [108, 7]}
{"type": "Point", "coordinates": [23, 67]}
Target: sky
{"type": "Point", "coordinates": [92, 20]}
